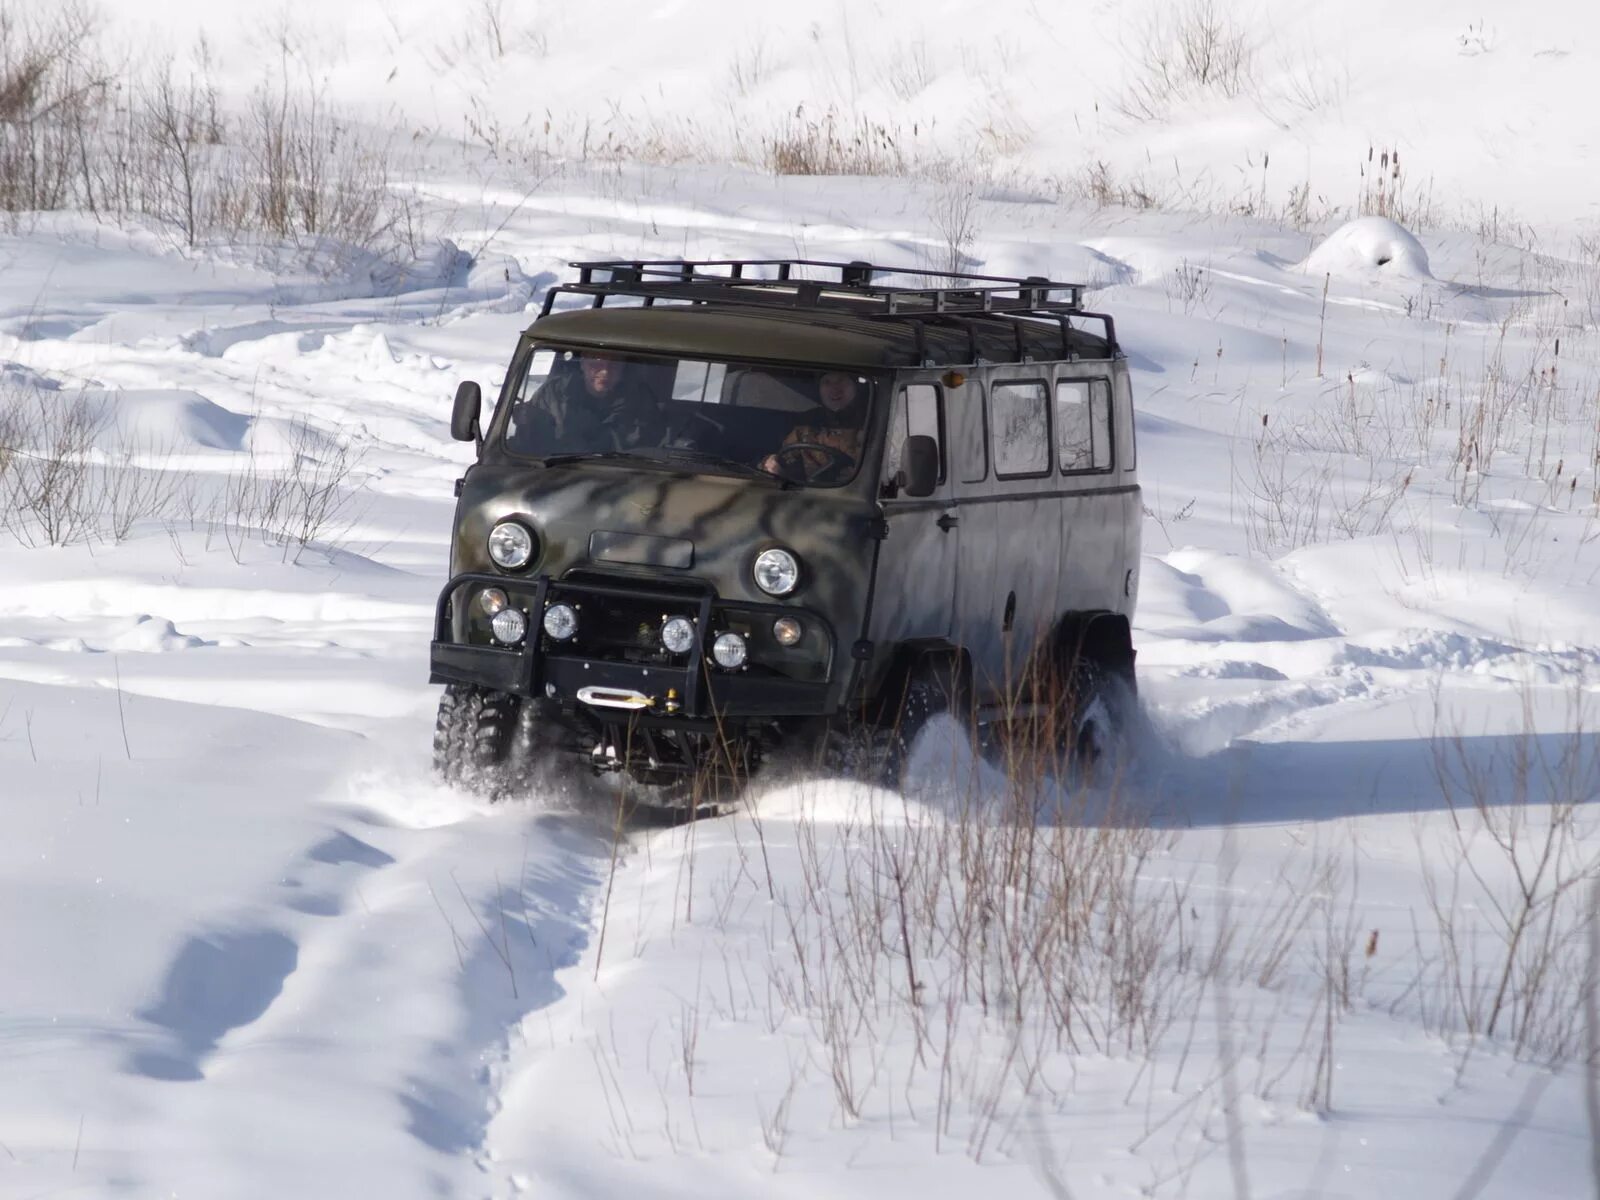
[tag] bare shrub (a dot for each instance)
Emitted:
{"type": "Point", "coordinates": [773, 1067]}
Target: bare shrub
{"type": "Point", "coordinates": [750, 68]}
{"type": "Point", "coordinates": [52, 86]}
{"type": "Point", "coordinates": [953, 212]}
{"type": "Point", "coordinates": [1509, 881]}
{"type": "Point", "coordinates": [910, 71]}
{"type": "Point", "coordinates": [1588, 275]}
{"type": "Point", "coordinates": [1193, 49]}
{"type": "Point", "coordinates": [65, 478]}
{"type": "Point", "coordinates": [312, 174]}
{"type": "Point", "coordinates": [1302, 487]}
{"type": "Point", "coordinates": [160, 148]}
{"type": "Point", "coordinates": [49, 491]}
{"type": "Point", "coordinates": [181, 124]}
{"type": "Point", "coordinates": [1099, 184]}
{"type": "Point", "coordinates": [303, 502]}
{"type": "Point", "coordinates": [1188, 284]}
{"type": "Point", "coordinates": [136, 483]}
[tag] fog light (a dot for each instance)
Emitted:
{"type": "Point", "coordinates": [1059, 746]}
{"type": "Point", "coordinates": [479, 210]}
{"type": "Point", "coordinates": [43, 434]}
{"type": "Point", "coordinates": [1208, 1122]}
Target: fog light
{"type": "Point", "coordinates": [728, 650]}
{"type": "Point", "coordinates": [492, 600]}
{"type": "Point", "coordinates": [561, 621]}
{"type": "Point", "coordinates": [677, 634]}
{"type": "Point", "coordinates": [787, 631]}
{"type": "Point", "coordinates": [509, 626]}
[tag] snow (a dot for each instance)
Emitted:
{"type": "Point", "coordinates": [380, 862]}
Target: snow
{"type": "Point", "coordinates": [1367, 245]}
{"type": "Point", "coordinates": [250, 947]}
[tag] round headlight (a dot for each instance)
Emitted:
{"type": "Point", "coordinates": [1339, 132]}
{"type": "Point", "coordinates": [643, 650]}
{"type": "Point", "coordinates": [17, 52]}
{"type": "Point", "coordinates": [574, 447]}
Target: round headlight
{"type": "Point", "coordinates": [777, 572]}
{"type": "Point", "coordinates": [491, 600]}
{"type": "Point", "coordinates": [786, 631]}
{"type": "Point", "coordinates": [677, 634]}
{"type": "Point", "coordinates": [509, 625]}
{"type": "Point", "coordinates": [561, 621]}
{"type": "Point", "coordinates": [511, 545]}
{"type": "Point", "coordinates": [728, 650]}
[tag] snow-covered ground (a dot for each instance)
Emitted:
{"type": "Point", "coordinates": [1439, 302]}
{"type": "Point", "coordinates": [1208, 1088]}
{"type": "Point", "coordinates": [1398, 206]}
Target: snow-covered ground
{"type": "Point", "coordinates": [248, 946]}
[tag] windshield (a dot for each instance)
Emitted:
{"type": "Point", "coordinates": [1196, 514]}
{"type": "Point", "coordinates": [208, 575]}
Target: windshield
{"type": "Point", "coordinates": [796, 424]}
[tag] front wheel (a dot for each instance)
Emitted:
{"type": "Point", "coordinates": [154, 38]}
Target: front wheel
{"type": "Point", "coordinates": [473, 739]}
{"type": "Point", "coordinates": [875, 747]}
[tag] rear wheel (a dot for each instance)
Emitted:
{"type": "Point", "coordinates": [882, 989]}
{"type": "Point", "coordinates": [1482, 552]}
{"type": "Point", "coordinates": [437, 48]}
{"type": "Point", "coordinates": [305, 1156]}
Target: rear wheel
{"type": "Point", "coordinates": [1096, 715]}
{"type": "Point", "coordinates": [474, 739]}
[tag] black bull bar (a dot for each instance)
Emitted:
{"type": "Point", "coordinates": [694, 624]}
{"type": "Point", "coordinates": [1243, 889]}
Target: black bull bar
{"type": "Point", "coordinates": [704, 694]}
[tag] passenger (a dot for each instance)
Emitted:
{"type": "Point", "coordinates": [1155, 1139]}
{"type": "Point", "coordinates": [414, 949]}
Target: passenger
{"type": "Point", "coordinates": [838, 423]}
{"type": "Point", "coordinates": [591, 410]}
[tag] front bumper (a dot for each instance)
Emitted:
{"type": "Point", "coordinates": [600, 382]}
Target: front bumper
{"type": "Point", "coordinates": [685, 694]}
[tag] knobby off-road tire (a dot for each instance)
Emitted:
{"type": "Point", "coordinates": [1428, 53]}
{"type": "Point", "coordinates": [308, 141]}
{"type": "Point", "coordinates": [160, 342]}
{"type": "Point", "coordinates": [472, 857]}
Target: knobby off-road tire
{"type": "Point", "coordinates": [878, 752]}
{"type": "Point", "coordinates": [479, 743]}
{"type": "Point", "coordinates": [1097, 714]}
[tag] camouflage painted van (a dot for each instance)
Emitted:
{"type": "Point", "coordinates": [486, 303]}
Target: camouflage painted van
{"type": "Point", "coordinates": [723, 508]}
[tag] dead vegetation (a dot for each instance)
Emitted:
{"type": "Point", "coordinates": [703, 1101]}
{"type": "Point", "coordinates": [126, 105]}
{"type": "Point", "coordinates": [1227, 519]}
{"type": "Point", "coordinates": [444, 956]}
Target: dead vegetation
{"type": "Point", "coordinates": [127, 144]}
{"type": "Point", "coordinates": [1186, 51]}
{"type": "Point", "coordinates": [68, 476]}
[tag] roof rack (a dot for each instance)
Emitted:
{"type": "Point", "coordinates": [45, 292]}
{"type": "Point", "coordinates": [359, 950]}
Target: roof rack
{"type": "Point", "coordinates": [850, 287]}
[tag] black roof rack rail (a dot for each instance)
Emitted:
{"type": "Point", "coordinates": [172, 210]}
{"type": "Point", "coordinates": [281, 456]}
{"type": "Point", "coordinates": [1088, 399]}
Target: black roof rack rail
{"type": "Point", "coordinates": [855, 287]}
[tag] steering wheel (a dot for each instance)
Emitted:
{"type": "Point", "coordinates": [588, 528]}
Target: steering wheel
{"type": "Point", "coordinates": [837, 459]}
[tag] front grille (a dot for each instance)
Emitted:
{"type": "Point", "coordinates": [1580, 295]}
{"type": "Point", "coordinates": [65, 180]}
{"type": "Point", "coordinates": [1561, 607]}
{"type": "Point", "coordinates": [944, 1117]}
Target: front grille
{"type": "Point", "coordinates": [622, 628]}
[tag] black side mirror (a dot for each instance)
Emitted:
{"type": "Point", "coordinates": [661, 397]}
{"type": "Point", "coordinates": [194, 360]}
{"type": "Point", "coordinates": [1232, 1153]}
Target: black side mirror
{"type": "Point", "coordinates": [464, 420]}
{"type": "Point", "coordinates": [919, 465]}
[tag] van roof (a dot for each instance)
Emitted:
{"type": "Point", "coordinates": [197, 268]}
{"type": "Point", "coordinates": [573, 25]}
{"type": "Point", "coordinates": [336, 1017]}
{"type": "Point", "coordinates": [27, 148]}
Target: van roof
{"type": "Point", "coordinates": [822, 337]}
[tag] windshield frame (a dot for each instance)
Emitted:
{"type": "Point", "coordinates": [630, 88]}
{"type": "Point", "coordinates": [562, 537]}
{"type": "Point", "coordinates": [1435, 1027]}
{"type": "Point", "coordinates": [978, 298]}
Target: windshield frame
{"type": "Point", "coordinates": [877, 383]}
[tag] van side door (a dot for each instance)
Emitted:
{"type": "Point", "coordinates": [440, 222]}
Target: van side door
{"type": "Point", "coordinates": [1010, 517]}
{"type": "Point", "coordinates": [913, 590]}
{"type": "Point", "coordinates": [1098, 505]}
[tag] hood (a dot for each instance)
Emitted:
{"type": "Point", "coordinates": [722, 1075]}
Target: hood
{"type": "Point", "coordinates": [677, 526]}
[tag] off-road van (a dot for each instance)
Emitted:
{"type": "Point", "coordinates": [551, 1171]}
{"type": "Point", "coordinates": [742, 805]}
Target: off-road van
{"type": "Point", "coordinates": [725, 507]}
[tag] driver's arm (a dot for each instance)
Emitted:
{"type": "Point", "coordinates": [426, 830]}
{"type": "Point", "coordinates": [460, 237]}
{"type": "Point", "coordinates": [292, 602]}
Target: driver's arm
{"type": "Point", "coordinates": [772, 463]}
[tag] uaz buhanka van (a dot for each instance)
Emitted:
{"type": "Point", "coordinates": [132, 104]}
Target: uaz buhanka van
{"type": "Point", "coordinates": [724, 507]}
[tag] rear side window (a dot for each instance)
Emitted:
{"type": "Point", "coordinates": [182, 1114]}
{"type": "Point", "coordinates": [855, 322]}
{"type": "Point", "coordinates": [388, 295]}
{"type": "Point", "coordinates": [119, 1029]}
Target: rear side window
{"type": "Point", "coordinates": [918, 411]}
{"type": "Point", "coordinates": [1083, 425]}
{"type": "Point", "coordinates": [1019, 428]}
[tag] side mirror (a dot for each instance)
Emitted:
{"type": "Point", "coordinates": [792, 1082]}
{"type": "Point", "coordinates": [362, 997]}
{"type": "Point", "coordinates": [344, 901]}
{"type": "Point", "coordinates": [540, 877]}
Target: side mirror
{"type": "Point", "coordinates": [464, 420]}
{"type": "Point", "coordinates": [919, 465]}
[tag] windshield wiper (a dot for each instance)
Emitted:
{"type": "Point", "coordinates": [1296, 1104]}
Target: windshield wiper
{"type": "Point", "coordinates": [711, 459]}
{"type": "Point", "coordinates": [557, 460]}
{"type": "Point", "coordinates": [660, 456]}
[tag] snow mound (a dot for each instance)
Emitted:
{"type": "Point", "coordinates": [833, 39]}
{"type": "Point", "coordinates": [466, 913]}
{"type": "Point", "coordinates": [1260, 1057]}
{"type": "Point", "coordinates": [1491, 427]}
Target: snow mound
{"type": "Point", "coordinates": [1359, 247]}
{"type": "Point", "coordinates": [166, 418]}
{"type": "Point", "coordinates": [152, 635]}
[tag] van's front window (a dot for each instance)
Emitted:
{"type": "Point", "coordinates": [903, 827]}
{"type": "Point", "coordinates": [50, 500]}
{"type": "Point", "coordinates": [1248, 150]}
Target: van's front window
{"type": "Point", "coordinates": [794, 423]}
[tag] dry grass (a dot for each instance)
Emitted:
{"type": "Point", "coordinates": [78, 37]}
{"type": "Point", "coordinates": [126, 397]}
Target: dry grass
{"type": "Point", "coordinates": [67, 478]}
{"type": "Point", "coordinates": [1193, 49]}
{"type": "Point", "coordinates": [158, 147]}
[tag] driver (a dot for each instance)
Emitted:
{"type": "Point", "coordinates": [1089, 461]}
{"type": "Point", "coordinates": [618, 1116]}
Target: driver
{"type": "Point", "coordinates": [593, 409]}
{"type": "Point", "coordinates": [838, 424]}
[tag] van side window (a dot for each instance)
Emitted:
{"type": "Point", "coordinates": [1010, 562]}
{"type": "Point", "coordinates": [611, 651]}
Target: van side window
{"type": "Point", "coordinates": [1125, 399]}
{"type": "Point", "coordinates": [1083, 425]}
{"type": "Point", "coordinates": [1019, 428]}
{"type": "Point", "coordinates": [917, 411]}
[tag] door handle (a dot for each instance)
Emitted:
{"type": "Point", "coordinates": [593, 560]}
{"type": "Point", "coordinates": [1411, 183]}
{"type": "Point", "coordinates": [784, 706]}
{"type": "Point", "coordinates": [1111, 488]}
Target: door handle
{"type": "Point", "coordinates": [948, 522]}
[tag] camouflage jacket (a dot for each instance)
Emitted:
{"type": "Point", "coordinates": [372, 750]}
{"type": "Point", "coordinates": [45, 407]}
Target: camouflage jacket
{"type": "Point", "coordinates": [819, 428]}
{"type": "Point", "coordinates": [562, 417]}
